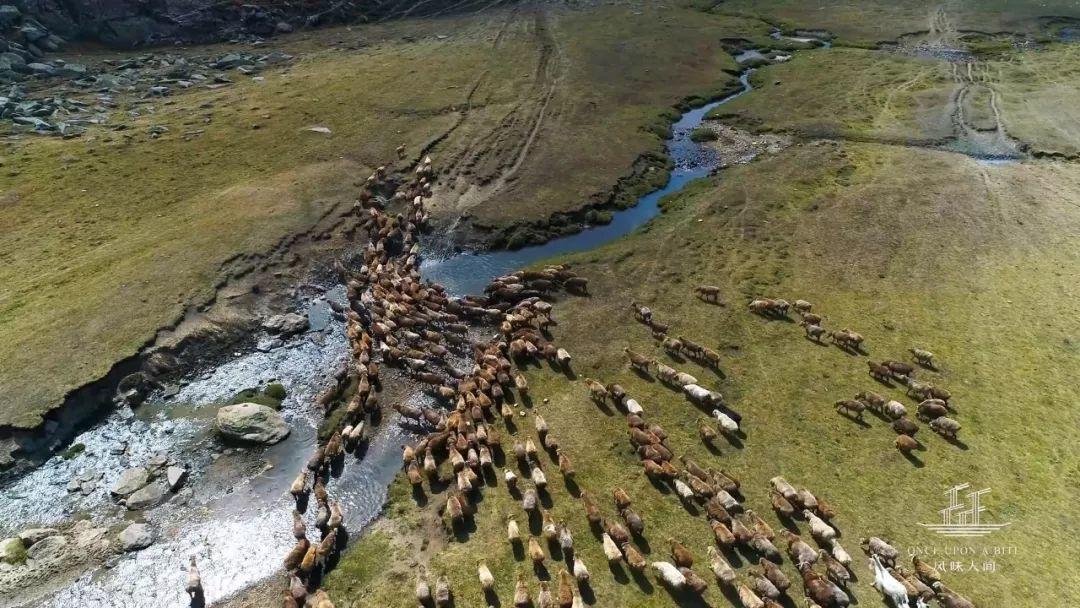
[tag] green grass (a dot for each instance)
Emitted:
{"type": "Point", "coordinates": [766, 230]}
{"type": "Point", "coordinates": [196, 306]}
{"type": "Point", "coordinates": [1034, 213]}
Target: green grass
{"type": "Point", "coordinates": [701, 134]}
{"type": "Point", "coordinates": [73, 451]}
{"type": "Point", "coordinates": [908, 247]}
{"type": "Point", "coordinates": [867, 22]}
{"type": "Point", "coordinates": [852, 93]}
{"type": "Point", "coordinates": [1035, 88]}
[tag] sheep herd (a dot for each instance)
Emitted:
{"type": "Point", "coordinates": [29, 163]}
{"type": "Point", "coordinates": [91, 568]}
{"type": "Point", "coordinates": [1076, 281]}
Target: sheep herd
{"type": "Point", "coordinates": [933, 402]}
{"type": "Point", "coordinates": [397, 319]}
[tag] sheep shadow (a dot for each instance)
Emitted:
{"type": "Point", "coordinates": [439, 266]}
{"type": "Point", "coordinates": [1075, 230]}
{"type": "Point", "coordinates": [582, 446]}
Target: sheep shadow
{"type": "Point", "coordinates": [815, 342]}
{"type": "Point", "coordinates": [955, 442]}
{"type": "Point", "coordinates": [644, 375]}
{"type": "Point", "coordinates": [711, 447]}
{"type": "Point", "coordinates": [914, 460]}
{"type": "Point", "coordinates": [660, 486]}
{"type": "Point", "coordinates": [492, 598]}
{"type": "Point", "coordinates": [643, 582]}
{"type": "Point", "coordinates": [603, 406]}
{"type": "Point", "coordinates": [618, 573]}
{"type": "Point", "coordinates": [586, 592]}
{"type": "Point", "coordinates": [198, 599]}
{"type": "Point", "coordinates": [887, 383]}
{"type": "Point", "coordinates": [690, 507]}
{"type": "Point", "coordinates": [686, 599]}
{"type": "Point", "coordinates": [733, 557]}
{"type": "Point", "coordinates": [859, 421]}
{"type": "Point", "coordinates": [642, 543]}
{"type": "Point", "coordinates": [519, 551]}
{"type": "Point", "coordinates": [464, 529]}
{"type": "Point", "coordinates": [732, 596]}
{"type": "Point", "coordinates": [418, 495]}
{"type": "Point", "coordinates": [572, 487]}
{"type": "Point", "coordinates": [541, 571]}
{"type": "Point", "coordinates": [735, 439]}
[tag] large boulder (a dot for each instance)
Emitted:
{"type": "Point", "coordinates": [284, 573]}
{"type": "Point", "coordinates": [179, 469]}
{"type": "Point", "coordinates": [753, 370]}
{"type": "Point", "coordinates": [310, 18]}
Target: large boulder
{"type": "Point", "coordinates": [175, 477]}
{"type": "Point", "coordinates": [147, 497]}
{"type": "Point", "coordinates": [130, 481]}
{"type": "Point", "coordinates": [12, 551]}
{"type": "Point", "coordinates": [251, 423]}
{"type": "Point", "coordinates": [136, 536]}
{"type": "Point", "coordinates": [286, 324]}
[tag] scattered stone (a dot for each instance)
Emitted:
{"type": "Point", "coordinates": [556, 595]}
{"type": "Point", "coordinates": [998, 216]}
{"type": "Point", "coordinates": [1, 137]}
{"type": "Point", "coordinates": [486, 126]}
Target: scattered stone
{"type": "Point", "coordinates": [31, 536]}
{"type": "Point", "coordinates": [319, 129]}
{"type": "Point", "coordinates": [286, 324]}
{"type": "Point", "coordinates": [158, 460]}
{"type": "Point", "coordinates": [136, 537]}
{"type": "Point", "coordinates": [12, 551]}
{"type": "Point", "coordinates": [252, 423]}
{"type": "Point", "coordinates": [147, 497]}
{"type": "Point", "coordinates": [176, 476]}
{"type": "Point", "coordinates": [131, 481]}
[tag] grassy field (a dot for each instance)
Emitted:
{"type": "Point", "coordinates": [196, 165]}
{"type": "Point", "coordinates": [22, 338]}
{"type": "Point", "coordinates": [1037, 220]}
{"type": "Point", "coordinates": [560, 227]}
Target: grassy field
{"type": "Point", "coordinates": [113, 236]}
{"type": "Point", "coordinates": [861, 22]}
{"type": "Point", "coordinates": [910, 248]}
{"type": "Point", "coordinates": [614, 71]}
{"type": "Point", "coordinates": [850, 93]}
{"type": "Point", "coordinates": [1036, 91]}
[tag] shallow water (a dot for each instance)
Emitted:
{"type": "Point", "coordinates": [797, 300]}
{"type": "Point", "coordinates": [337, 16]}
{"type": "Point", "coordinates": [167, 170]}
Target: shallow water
{"type": "Point", "coordinates": [470, 272]}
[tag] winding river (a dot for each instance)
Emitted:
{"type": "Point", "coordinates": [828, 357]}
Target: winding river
{"type": "Point", "coordinates": [470, 272]}
{"type": "Point", "coordinates": [235, 516]}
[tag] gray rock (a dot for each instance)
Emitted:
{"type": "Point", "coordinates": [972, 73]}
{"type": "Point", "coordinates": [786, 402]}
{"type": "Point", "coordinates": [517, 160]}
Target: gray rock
{"type": "Point", "coordinates": [33, 32]}
{"type": "Point", "coordinates": [41, 68]}
{"type": "Point", "coordinates": [34, 535]}
{"type": "Point", "coordinates": [158, 460]}
{"type": "Point", "coordinates": [9, 16]}
{"type": "Point", "coordinates": [137, 536]}
{"type": "Point", "coordinates": [176, 476]}
{"type": "Point", "coordinates": [12, 551]}
{"type": "Point", "coordinates": [131, 481]}
{"type": "Point", "coordinates": [286, 324]}
{"type": "Point", "coordinates": [147, 497]}
{"type": "Point", "coordinates": [47, 548]}
{"type": "Point", "coordinates": [252, 423]}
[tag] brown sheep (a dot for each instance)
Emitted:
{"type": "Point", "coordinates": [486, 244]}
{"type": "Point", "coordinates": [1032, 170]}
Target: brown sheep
{"type": "Point", "coordinates": [708, 293]}
{"type": "Point", "coordinates": [851, 406]}
{"type": "Point", "coordinates": [932, 408]}
{"type": "Point", "coordinates": [899, 368]}
{"type": "Point", "coordinates": [637, 361]}
{"type": "Point", "coordinates": [873, 401]}
{"type": "Point", "coordinates": [681, 555]}
{"type": "Point", "coordinates": [879, 372]}
{"type": "Point", "coordinates": [905, 426]}
{"type": "Point", "coordinates": [906, 444]}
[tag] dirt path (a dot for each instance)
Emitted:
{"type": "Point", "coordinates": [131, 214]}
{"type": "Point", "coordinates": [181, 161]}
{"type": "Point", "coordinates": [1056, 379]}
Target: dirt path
{"type": "Point", "coordinates": [480, 168]}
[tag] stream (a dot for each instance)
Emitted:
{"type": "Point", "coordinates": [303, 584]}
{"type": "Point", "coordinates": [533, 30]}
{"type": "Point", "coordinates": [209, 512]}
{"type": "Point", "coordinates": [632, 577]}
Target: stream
{"type": "Point", "coordinates": [234, 513]}
{"type": "Point", "coordinates": [469, 272]}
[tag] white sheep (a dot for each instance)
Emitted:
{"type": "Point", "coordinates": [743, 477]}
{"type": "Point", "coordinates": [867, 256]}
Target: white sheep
{"type": "Point", "coordinates": [670, 574]}
{"type": "Point", "coordinates": [727, 424]}
{"type": "Point", "coordinates": [818, 528]}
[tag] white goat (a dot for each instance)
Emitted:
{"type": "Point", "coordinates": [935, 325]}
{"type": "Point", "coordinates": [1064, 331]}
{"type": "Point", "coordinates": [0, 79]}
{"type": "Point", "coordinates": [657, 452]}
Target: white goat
{"type": "Point", "coordinates": [884, 582]}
